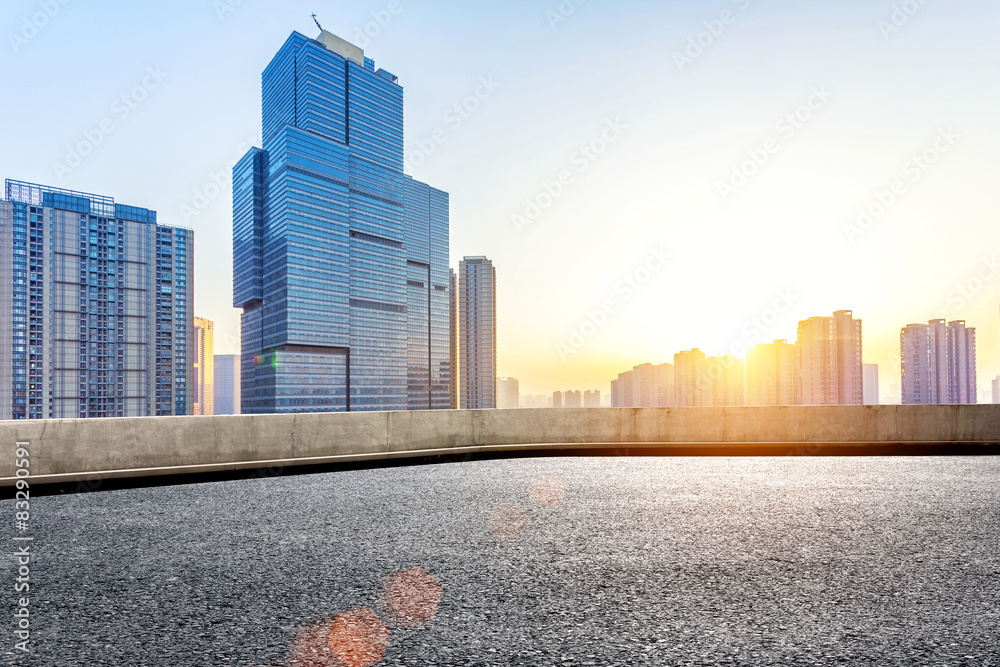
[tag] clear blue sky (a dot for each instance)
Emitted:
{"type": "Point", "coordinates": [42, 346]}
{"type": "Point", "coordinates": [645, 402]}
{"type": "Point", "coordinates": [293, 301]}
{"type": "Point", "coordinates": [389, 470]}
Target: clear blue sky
{"type": "Point", "coordinates": [675, 131]}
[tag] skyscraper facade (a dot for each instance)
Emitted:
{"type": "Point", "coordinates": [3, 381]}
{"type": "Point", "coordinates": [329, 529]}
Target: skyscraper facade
{"type": "Point", "coordinates": [592, 399]}
{"type": "Point", "coordinates": [100, 299]}
{"type": "Point", "coordinates": [340, 260]}
{"type": "Point", "coordinates": [477, 317]}
{"type": "Point", "coordinates": [830, 351]}
{"type": "Point", "coordinates": [226, 400]}
{"type": "Point", "coordinates": [938, 363]}
{"type": "Point", "coordinates": [202, 385]}
{"type": "Point", "coordinates": [772, 374]}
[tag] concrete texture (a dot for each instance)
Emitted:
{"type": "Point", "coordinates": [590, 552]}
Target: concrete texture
{"type": "Point", "coordinates": [67, 450]}
{"type": "Point", "coordinates": [616, 561]}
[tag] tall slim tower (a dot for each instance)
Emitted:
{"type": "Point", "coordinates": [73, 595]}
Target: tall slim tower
{"type": "Point", "coordinates": [203, 385]}
{"type": "Point", "coordinates": [96, 302]}
{"type": "Point", "coordinates": [453, 335]}
{"type": "Point", "coordinates": [340, 260]}
{"type": "Point", "coordinates": [226, 384]}
{"type": "Point", "coordinates": [477, 305]}
{"type": "Point", "coordinates": [871, 384]}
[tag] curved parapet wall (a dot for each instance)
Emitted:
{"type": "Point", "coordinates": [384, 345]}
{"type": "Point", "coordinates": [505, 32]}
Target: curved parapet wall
{"type": "Point", "coordinates": [77, 449]}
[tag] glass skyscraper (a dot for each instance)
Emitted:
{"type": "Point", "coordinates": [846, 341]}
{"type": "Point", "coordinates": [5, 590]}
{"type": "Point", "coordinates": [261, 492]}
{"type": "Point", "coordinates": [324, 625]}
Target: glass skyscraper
{"type": "Point", "coordinates": [100, 298]}
{"type": "Point", "coordinates": [340, 260]}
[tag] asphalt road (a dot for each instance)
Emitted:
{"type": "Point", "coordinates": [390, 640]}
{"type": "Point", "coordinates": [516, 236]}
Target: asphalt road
{"type": "Point", "coordinates": [778, 561]}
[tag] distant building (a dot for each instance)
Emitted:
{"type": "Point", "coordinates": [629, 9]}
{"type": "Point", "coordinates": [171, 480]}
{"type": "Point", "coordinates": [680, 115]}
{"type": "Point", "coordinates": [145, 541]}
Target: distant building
{"type": "Point", "coordinates": [722, 381]}
{"type": "Point", "coordinates": [453, 338]}
{"type": "Point", "coordinates": [227, 384]}
{"type": "Point", "coordinates": [871, 384]}
{"type": "Point", "coordinates": [689, 383]}
{"type": "Point", "coordinates": [938, 363]}
{"type": "Point", "coordinates": [591, 399]}
{"type": "Point", "coordinates": [830, 350]}
{"type": "Point", "coordinates": [996, 390]}
{"type": "Point", "coordinates": [477, 345]}
{"type": "Point", "coordinates": [96, 313]}
{"type": "Point", "coordinates": [572, 399]}
{"type": "Point", "coordinates": [203, 392]}
{"type": "Point", "coordinates": [645, 386]}
{"type": "Point", "coordinates": [557, 399]}
{"type": "Point", "coordinates": [508, 394]}
{"type": "Point", "coordinates": [536, 401]}
{"type": "Point", "coordinates": [773, 374]}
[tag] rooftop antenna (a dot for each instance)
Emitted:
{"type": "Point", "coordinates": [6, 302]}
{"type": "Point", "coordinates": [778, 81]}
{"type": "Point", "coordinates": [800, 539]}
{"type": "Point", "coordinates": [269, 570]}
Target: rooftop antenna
{"type": "Point", "coordinates": [316, 20]}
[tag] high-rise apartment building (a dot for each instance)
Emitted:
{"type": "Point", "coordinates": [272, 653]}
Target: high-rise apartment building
{"type": "Point", "coordinates": [508, 394]}
{"type": "Point", "coordinates": [645, 386]}
{"type": "Point", "coordinates": [690, 388]}
{"type": "Point", "coordinates": [938, 363]}
{"type": "Point", "coordinates": [340, 260]}
{"type": "Point", "coordinates": [592, 399]}
{"type": "Point", "coordinates": [202, 385]}
{"type": "Point", "coordinates": [831, 367]}
{"type": "Point", "coordinates": [477, 344]}
{"type": "Point", "coordinates": [96, 302]}
{"type": "Point", "coordinates": [227, 384]}
{"type": "Point", "coordinates": [773, 374]}
{"type": "Point", "coordinates": [557, 399]}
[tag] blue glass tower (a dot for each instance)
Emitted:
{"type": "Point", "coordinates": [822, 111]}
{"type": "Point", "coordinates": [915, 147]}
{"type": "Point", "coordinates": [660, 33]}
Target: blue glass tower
{"type": "Point", "coordinates": [100, 298]}
{"type": "Point", "coordinates": [340, 260]}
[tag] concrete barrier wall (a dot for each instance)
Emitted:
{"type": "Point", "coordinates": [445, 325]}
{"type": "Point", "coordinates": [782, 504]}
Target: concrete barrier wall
{"type": "Point", "coordinates": [67, 450]}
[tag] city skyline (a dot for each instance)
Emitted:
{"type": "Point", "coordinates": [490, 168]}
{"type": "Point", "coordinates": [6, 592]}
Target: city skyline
{"type": "Point", "coordinates": [866, 117]}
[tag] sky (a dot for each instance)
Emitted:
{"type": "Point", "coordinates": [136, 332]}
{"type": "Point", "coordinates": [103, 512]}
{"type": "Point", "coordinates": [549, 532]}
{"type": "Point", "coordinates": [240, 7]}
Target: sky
{"type": "Point", "coordinates": [647, 177]}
